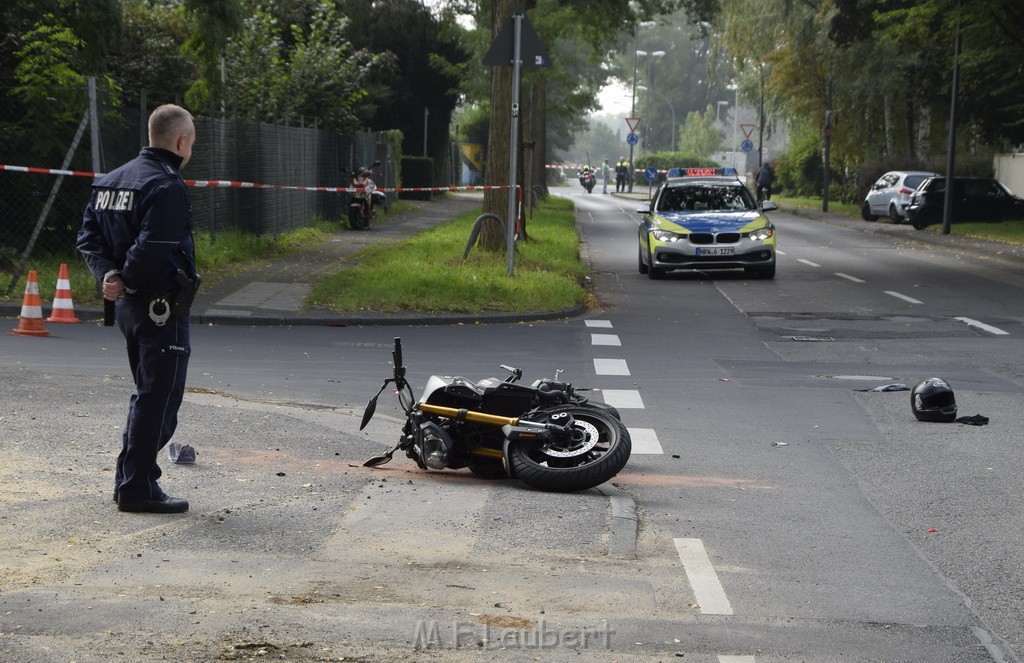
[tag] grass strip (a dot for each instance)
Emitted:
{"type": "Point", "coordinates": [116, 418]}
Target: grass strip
{"type": "Point", "coordinates": [426, 273]}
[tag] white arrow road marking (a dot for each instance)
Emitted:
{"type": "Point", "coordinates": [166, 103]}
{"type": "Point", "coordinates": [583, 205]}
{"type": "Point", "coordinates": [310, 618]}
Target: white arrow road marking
{"type": "Point", "coordinates": [981, 325]}
{"type": "Point", "coordinates": [607, 324]}
{"type": "Point", "coordinates": [850, 278]}
{"type": "Point", "coordinates": [611, 367]}
{"type": "Point", "coordinates": [645, 441]}
{"type": "Point", "coordinates": [623, 398]}
{"type": "Point", "coordinates": [604, 339]}
{"type": "Point", "coordinates": [707, 589]}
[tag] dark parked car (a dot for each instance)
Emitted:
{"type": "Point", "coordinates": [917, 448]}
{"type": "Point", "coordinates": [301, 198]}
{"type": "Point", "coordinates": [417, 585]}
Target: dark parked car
{"type": "Point", "coordinates": [974, 199]}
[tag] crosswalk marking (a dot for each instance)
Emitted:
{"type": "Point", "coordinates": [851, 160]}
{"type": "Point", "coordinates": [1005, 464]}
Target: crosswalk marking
{"type": "Point", "coordinates": [623, 398]}
{"type": "Point", "coordinates": [707, 589]}
{"type": "Point", "coordinates": [611, 367]}
{"type": "Point", "coordinates": [607, 324]}
{"type": "Point", "coordinates": [645, 441]}
{"type": "Point", "coordinates": [604, 339]}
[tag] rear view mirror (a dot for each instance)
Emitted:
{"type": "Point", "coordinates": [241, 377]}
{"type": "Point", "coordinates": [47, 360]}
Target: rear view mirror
{"type": "Point", "coordinates": [768, 206]}
{"type": "Point", "coordinates": [644, 209]}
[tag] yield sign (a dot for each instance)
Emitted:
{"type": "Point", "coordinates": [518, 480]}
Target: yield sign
{"type": "Point", "coordinates": [748, 129]}
{"type": "Point", "coordinates": [632, 123]}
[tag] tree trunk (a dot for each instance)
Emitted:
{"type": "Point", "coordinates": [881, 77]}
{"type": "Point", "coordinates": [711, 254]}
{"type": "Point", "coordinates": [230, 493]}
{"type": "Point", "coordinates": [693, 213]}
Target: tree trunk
{"type": "Point", "coordinates": [496, 200]}
{"type": "Point", "coordinates": [924, 133]}
{"type": "Point", "coordinates": [887, 120]}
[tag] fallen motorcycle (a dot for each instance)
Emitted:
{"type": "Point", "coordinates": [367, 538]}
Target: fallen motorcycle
{"type": "Point", "coordinates": [546, 435]}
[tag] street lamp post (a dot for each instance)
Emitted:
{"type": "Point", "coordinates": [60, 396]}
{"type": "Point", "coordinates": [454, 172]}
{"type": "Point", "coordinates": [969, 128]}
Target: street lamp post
{"type": "Point", "coordinates": [632, 103]}
{"type": "Point", "coordinates": [718, 111]}
{"type": "Point", "coordinates": [735, 116]}
{"type": "Point", "coordinates": [650, 83]}
{"type": "Point", "coordinates": [672, 138]}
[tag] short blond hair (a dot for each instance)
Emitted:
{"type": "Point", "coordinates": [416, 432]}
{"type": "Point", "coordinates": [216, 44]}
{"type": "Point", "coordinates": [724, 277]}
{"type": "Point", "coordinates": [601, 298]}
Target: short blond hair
{"type": "Point", "coordinates": [168, 122]}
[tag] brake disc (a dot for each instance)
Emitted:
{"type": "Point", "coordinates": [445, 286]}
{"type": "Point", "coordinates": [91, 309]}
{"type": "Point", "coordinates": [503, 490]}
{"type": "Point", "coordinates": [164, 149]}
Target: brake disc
{"type": "Point", "coordinates": [589, 441]}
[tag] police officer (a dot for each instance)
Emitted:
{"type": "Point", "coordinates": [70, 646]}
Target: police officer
{"type": "Point", "coordinates": [621, 173]}
{"type": "Point", "coordinates": [136, 235]}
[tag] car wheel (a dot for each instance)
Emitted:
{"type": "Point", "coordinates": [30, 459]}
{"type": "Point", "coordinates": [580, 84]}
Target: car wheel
{"type": "Point", "coordinates": [640, 264]}
{"type": "Point", "coordinates": [655, 274]}
{"type": "Point", "coordinates": [925, 218]}
{"type": "Point", "coordinates": [894, 214]}
{"type": "Point", "coordinates": [865, 212]}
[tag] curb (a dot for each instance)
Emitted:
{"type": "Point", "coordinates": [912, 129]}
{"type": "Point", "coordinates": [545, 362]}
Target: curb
{"type": "Point", "coordinates": [623, 523]}
{"type": "Point", "coordinates": [92, 314]}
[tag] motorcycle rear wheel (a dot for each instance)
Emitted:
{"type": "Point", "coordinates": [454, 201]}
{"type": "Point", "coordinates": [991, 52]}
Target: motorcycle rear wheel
{"type": "Point", "coordinates": [601, 450]}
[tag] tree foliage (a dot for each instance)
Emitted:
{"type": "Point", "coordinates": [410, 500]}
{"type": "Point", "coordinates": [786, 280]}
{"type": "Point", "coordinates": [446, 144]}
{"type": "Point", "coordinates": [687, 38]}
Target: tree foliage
{"type": "Point", "coordinates": [699, 135]}
{"type": "Point", "coordinates": [308, 70]}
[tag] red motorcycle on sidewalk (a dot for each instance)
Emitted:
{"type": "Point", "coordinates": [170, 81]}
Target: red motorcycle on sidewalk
{"type": "Point", "coordinates": [365, 197]}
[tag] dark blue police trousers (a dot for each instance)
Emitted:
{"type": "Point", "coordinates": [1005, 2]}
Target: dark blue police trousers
{"type": "Point", "coordinates": [158, 358]}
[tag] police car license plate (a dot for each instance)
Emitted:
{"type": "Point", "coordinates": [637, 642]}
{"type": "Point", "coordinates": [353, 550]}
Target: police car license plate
{"type": "Point", "coordinates": [716, 251]}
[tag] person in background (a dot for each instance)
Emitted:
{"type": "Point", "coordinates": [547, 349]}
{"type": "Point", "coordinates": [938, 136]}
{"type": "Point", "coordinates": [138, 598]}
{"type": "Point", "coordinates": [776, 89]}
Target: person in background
{"type": "Point", "coordinates": [621, 172]}
{"type": "Point", "coordinates": [606, 172]}
{"type": "Point", "coordinates": [765, 179]}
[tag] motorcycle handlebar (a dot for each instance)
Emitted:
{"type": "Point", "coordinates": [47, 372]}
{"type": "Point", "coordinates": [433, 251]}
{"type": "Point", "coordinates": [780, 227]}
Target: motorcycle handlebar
{"type": "Point", "coordinates": [396, 355]}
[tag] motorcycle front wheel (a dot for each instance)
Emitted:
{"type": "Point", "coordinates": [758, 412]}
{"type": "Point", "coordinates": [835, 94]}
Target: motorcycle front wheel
{"type": "Point", "coordinates": [357, 217]}
{"type": "Point", "coordinates": [598, 450]}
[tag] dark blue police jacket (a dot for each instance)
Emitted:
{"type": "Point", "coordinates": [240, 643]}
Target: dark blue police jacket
{"type": "Point", "coordinates": [139, 224]}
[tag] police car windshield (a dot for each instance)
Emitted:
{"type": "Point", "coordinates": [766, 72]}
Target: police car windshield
{"type": "Point", "coordinates": [706, 196]}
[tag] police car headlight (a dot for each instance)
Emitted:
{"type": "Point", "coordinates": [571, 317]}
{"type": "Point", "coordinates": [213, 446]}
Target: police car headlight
{"type": "Point", "coordinates": [762, 234]}
{"type": "Point", "coordinates": [666, 236]}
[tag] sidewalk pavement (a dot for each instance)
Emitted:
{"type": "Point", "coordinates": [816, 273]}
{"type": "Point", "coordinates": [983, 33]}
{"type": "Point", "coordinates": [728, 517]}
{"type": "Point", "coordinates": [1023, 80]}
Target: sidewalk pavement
{"type": "Point", "coordinates": [271, 293]}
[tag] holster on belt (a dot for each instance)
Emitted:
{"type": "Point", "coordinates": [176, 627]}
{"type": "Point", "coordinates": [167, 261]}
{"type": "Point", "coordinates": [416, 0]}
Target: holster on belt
{"type": "Point", "coordinates": [187, 289]}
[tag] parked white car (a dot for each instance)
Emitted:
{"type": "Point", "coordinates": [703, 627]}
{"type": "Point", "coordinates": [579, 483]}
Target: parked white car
{"type": "Point", "coordinates": [890, 195]}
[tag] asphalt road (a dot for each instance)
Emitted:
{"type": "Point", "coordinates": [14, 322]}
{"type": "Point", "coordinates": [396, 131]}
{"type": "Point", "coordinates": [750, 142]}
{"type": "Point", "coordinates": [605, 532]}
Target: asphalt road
{"type": "Point", "coordinates": [783, 514]}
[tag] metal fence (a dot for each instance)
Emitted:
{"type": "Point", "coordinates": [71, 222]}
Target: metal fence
{"type": "Point", "coordinates": [292, 153]}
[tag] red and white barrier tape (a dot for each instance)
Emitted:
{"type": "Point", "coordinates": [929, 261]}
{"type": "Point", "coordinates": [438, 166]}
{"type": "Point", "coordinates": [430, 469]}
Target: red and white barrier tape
{"type": "Point", "coordinates": [258, 185]}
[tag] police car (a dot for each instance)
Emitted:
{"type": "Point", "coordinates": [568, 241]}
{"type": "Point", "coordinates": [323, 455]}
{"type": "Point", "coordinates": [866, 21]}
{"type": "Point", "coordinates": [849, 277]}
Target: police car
{"type": "Point", "coordinates": [705, 218]}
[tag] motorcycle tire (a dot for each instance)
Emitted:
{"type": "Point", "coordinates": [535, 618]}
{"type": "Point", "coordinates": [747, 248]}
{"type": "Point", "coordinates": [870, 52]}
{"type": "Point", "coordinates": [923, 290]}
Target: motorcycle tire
{"type": "Point", "coordinates": [607, 445]}
{"type": "Point", "coordinates": [355, 217]}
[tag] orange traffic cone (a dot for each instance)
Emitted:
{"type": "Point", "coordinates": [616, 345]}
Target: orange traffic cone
{"type": "Point", "coordinates": [31, 322]}
{"type": "Point", "coordinates": [63, 306]}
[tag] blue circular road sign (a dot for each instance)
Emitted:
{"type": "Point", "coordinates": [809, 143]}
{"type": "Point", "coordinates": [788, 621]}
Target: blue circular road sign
{"type": "Point", "coordinates": [650, 174]}
{"type": "Point", "coordinates": [747, 145]}
{"type": "Point", "coordinates": [632, 139]}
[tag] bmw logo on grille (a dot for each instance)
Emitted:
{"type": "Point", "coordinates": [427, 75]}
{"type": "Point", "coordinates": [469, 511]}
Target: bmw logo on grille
{"type": "Point", "coordinates": [714, 230]}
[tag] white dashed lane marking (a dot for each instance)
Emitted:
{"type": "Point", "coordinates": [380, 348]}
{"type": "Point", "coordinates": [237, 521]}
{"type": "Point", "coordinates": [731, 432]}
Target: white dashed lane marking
{"type": "Point", "coordinates": [850, 278]}
{"type": "Point", "coordinates": [707, 590]}
{"type": "Point", "coordinates": [808, 262]}
{"type": "Point", "coordinates": [905, 298]}
{"type": "Point", "coordinates": [611, 367]}
{"type": "Point", "coordinates": [727, 658]}
{"type": "Point", "coordinates": [981, 325]}
{"type": "Point", "coordinates": [604, 339]}
{"type": "Point", "coordinates": [626, 399]}
{"type": "Point", "coordinates": [606, 324]}
{"type": "Point", "coordinates": [645, 441]}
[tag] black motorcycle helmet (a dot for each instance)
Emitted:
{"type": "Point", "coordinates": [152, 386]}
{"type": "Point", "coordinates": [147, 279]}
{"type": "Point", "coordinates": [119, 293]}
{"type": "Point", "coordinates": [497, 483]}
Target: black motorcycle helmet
{"type": "Point", "coordinates": [932, 400]}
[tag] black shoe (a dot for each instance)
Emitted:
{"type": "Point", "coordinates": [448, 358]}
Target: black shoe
{"type": "Point", "coordinates": [166, 504]}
